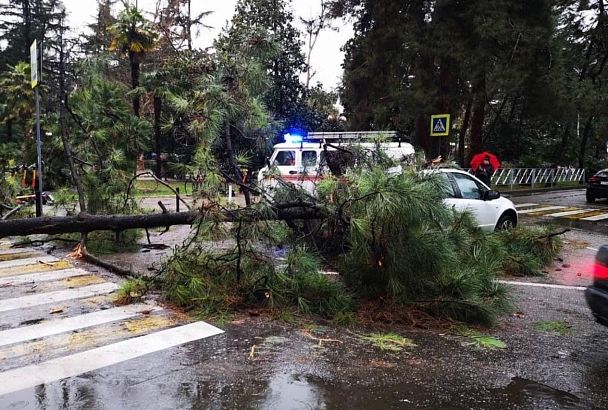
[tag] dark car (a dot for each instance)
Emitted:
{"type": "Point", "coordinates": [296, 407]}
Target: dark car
{"type": "Point", "coordinates": [597, 186]}
{"type": "Point", "coordinates": [597, 294]}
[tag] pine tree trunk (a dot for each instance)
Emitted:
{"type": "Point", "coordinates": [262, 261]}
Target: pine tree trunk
{"type": "Point", "coordinates": [67, 148]}
{"type": "Point", "coordinates": [134, 81]}
{"type": "Point", "coordinates": [234, 164]}
{"type": "Point", "coordinates": [9, 129]}
{"type": "Point", "coordinates": [463, 133]}
{"type": "Point", "coordinates": [479, 111]}
{"type": "Point", "coordinates": [583, 148]}
{"type": "Point", "coordinates": [157, 137]}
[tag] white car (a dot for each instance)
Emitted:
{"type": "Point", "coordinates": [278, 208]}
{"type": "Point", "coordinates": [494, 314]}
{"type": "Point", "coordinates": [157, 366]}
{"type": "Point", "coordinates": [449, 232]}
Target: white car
{"type": "Point", "coordinates": [467, 193]}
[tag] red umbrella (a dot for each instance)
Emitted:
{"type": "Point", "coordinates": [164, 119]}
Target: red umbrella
{"type": "Point", "coordinates": [477, 160]}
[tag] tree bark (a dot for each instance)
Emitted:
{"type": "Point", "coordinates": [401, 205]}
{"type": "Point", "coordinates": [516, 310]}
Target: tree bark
{"type": "Point", "coordinates": [134, 81]}
{"type": "Point", "coordinates": [463, 133]}
{"type": "Point", "coordinates": [583, 148]}
{"type": "Point", "coordinates": [157, 111]}
{"type": "Point", "coordinates": [67, 147]}
{"type": "Point", "coordinates": [479, 105]}
{"type": "Point", "coordinates": [84, 222]}
{"type": "Point", "coordinates": [233, 163]}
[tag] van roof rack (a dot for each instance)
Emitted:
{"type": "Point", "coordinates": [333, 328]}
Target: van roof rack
{"type": "Point", "coordinates": [350, 135]}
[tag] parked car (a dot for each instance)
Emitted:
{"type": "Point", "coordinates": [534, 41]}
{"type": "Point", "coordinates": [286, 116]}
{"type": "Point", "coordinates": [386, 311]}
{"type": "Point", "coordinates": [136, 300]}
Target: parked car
{"type": "Point", "coordinates": [465, 192]}
{"type": "Point", "coordinates": [597, 294]}
{"type": "Point", "coordinates": [597, 186]}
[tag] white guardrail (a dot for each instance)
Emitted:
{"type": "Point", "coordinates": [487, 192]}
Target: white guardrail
{"type": "Point", "coordinates": [536, 176]}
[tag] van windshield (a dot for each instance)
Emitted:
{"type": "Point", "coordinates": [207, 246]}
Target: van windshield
{"type": "Point", "coordinates": [285, 158]}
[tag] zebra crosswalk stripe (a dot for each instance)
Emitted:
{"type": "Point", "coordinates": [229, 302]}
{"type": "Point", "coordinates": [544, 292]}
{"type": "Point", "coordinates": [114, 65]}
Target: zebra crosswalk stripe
{"type": "Point", "coordinates": [28, 261]}
{"type": "Point", "coordinates": [543, 209]}
{"type": "Point", "coordinates": [41, 277]}
{"type": "Point", "coordinates": [57, 296]}
{"type": "Point", "coordinates": [527, 205]}
{"type": "Point", "coordinates": [54, 327]}
{"type": "Point", "coordinates": [570, 213]}
{"type": "Point", "coordinates": [595, 218]}
{"type": "Point", "coordinates": [72, 365]}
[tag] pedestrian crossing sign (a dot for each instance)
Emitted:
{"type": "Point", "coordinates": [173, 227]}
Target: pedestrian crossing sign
{"type": "Point", "coordinates": [440, 125]}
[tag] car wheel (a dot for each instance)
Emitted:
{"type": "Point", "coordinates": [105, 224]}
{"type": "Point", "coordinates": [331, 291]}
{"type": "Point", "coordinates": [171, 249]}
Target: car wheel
{"type": "Point", "coordinates": [590, 198]}
{"type": "Point", "coordinates": [506, 221]}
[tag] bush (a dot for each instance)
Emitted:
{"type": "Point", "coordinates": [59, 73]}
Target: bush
{"type": "Point", "coordinates": [206, 280]}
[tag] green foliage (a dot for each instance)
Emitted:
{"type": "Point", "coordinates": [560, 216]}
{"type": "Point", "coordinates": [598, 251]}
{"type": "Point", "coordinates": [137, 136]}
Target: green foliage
{"type": "Point", "coordinates": [528, 250]}
{"type": "Point", "coordinates": [131, 291]}
{"type": "Point", "coordinates": [481, 340]}
{"type": "Point", "coordinates": [110, 138]}
{"type": "Point", "coordinates": [559, 327]}
{"type": "Point", "coordinates": [391, 342]}
{"type": "Point", "coordinates": [214, 281]}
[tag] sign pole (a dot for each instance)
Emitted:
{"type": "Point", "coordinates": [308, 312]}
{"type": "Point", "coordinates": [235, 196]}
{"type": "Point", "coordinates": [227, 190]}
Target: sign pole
{"type": "Point", "coordinates": [39, 150]}
{"type": "Point", "coordinates": [34, 82]}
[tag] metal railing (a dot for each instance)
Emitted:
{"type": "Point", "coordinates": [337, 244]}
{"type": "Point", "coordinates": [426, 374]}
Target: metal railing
{"type": "Point", "coordinates": [536, 176]}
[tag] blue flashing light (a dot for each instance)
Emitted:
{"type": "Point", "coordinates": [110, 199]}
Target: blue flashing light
{"type": "Point", "coordinates": [293, 138]}
{"type": "Point", "coordinates": [295, 135]}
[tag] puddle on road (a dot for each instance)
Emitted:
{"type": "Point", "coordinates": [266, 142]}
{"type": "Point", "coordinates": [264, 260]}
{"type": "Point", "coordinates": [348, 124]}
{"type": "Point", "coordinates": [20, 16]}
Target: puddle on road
{"type": "Point", "coordinates": [539, 395]}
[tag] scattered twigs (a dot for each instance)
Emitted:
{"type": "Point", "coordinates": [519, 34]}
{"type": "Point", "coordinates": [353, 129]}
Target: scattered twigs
{"type": "Point", "coordinates": [551, 235]}
{"type": "Point", "coordinates": [12, 211]}
{"type": "Point", "coordinates": [160, 181]}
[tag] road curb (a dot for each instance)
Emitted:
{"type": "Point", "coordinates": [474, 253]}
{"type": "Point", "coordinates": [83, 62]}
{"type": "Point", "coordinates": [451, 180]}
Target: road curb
{"type": "Point", "coordinates": [538, 191]}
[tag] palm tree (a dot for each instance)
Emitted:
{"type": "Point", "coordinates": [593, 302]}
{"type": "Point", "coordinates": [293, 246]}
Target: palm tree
{"type": "Point", "coordinates": [134, 35]}
{"type": "Point", "coordinates": [17, 99]}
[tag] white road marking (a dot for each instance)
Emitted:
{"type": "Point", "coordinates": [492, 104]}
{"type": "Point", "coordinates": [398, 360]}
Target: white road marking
{"type": "Point", "coordinates": [568, 213]}
{"type": "Point", "coordinates": [57, 296]}
{"type": "Point", "coordinates": [541, 285]}
{"type": "Point", "coordinates": [13, 251]}
{"type": "Point", "coordinates": [54, 327]}
{"type": "Point", "coordinates": [592, 249]}
{"type": "Point", "coordinates": [73, 365]}
{"type": "Point", "coordinates": [42, 276]}
{"type": "Point", "coordinates": [543, 209]}
{"type": "Point", "coordinates": [595, 218]}
{"type": "Point", "coordinates": [524, 205]}
{"type": "Point", "coordinates": [28, 261]}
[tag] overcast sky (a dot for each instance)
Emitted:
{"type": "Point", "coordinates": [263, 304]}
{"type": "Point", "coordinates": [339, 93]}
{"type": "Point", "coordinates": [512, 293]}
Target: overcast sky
{"type": "Point", "coordinates": [326, 58]}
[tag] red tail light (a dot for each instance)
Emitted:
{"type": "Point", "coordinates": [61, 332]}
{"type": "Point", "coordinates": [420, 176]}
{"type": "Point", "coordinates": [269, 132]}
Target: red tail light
{"type": "Point", "coordinates": [600, 272]}
{"type": "Point", "coordinates": [594, 179]}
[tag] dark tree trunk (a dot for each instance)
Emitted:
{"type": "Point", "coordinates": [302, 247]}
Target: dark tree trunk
{"type": "Point", "coordinates": [67, 148]}
{"type": "Point", "coordinates": [157, 137]}
{"type": "Point", "coordinates": [85, 223]}
{"type": "Point", "coordinates": [9, 129]}
{"type": "Point", "coordinates": [134, 81]}
{"type": "Point", "coordinates": [463, 133]}
{"type": "Point", "coordinates": [233, 163]}
{"type": "Point", "coordinates": [583, 148]}
{"type": "Point", "coordinates": [479, 111]}
{"type": "Point", "coordinates": [423, 134]}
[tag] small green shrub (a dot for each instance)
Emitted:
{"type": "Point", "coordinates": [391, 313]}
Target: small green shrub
{"type": "Point", "coordinates": [131, 291]}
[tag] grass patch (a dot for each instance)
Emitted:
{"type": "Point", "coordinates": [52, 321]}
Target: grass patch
{"type": "Point", "coordinates": [131, 291]}
{"type": "Point", "coordinates": [150, 187]}
{"type": "Point", "coordinates": [391, 342]}
{"type": "Point", "coordinates": [482, 340]}
{"type": "Point", "coordinates": [559, 327]}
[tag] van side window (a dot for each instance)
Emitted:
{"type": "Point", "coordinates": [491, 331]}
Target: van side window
{"type": "Point", "coordinates": [285, 158]}
{"type": "Point", "coordinates": [309, 158]}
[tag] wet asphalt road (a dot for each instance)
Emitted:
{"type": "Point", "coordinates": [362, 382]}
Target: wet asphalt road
{"type": "Point", "coordinates": [264, 364]}
{"type": "Point", "coordinates": [569, 198]}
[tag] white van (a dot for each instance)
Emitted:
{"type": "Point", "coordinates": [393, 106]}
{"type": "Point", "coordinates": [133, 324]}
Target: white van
{"type": "Point", "coordinates": [301, 160]}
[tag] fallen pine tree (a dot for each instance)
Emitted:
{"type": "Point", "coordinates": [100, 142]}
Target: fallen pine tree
{"type": "Point", "coordinates": [84, 222]}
